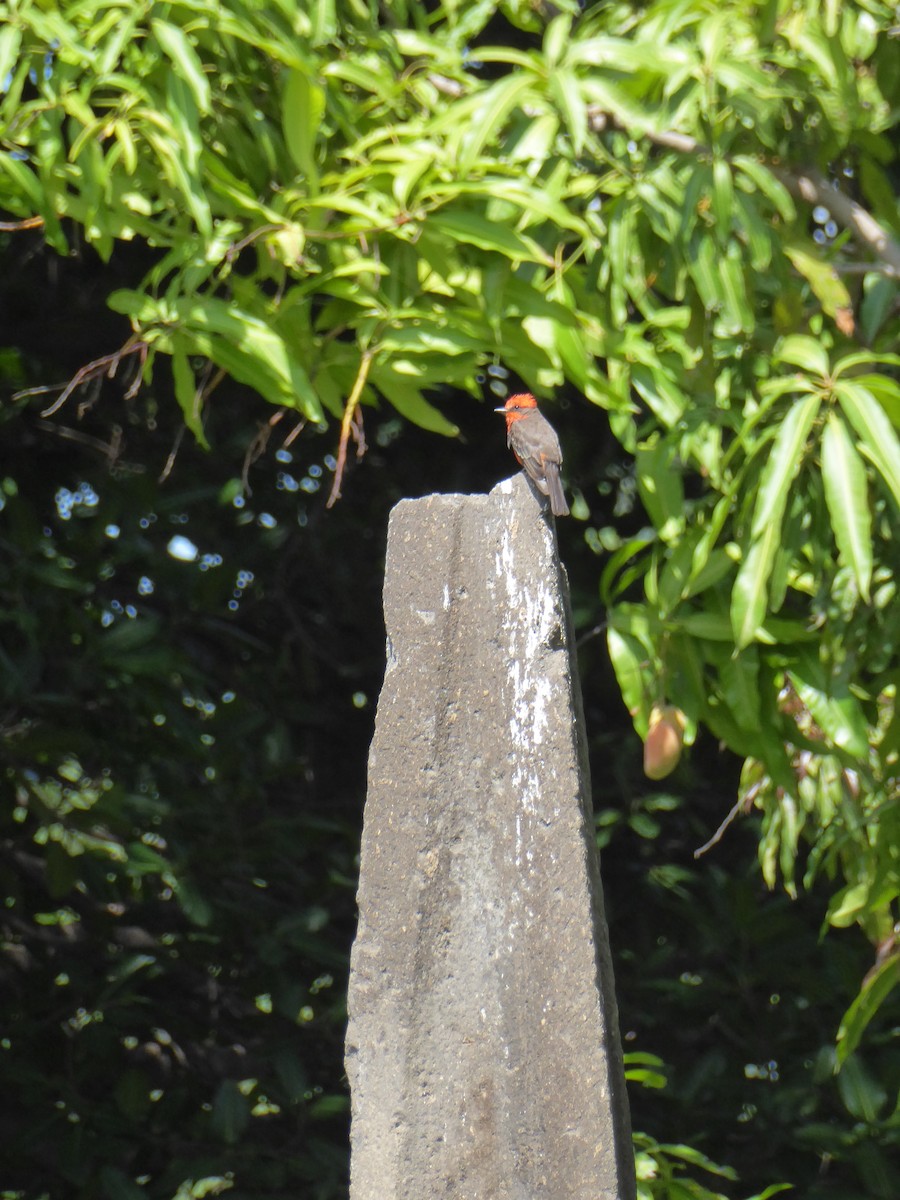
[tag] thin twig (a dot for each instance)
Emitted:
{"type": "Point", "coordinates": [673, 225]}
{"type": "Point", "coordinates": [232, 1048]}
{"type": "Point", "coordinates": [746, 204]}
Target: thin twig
{"type": "Point", "coordinates": [107, 365]}
{"type": "Point", "coordinates": [257, 448]}
{"type": "Point", "coordinates": [173, 454]}
{"type": "Point", "coordinates": [110, 450]}
{"type": "Point", "coordinates": [591, 633]}
{"type": "Point", "coordinates": [351, 422]}
{"type": "Point", "coordinates": [292, 436]}
{"type": "Point", "coordinates": [814, 188]}
{"type": "Point", "coordinates": [720, 832]}
{"type": "Point", "coordinates": [234, 250]}
{"type": "Point", "coordinates": [25, 223]}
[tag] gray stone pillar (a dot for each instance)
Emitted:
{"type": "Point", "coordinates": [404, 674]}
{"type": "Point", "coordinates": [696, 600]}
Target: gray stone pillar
{"type": "Point", "coordinates": [483, 1048]}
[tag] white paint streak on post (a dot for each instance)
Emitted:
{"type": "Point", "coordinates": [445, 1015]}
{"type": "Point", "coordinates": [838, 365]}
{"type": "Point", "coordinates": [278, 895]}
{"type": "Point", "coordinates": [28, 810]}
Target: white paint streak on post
{"type": "Point", "coordinates": [482, 1050]}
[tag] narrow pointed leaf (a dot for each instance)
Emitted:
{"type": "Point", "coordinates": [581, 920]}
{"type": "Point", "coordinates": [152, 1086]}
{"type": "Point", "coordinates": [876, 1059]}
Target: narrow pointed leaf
{"type": "Point", "coordinates": [174, 41]}
{"type": "Point", "coordinates": [803, 351]}
{"type": "Point", "coordinates": [487, 235]}
{"type": "Point", "coordinates": [489, 112]}
{"type": "Point", "coordinates": [878, 986]}
{"type": "Point", "coordinates": [773, 189]}
{"type": "Point", "coordinates": [828, 287]}
{"type": "Point", "coordinates": [626, 655]}
{"type": "Point", "coordinates": [740, 687]}
{"type": "Point", "coordinates": [750, 594]}
{"type": "Point", "coordinates": [410, 403]}
{"type": "Point", "coordinates": [10, 41]}
{"type": "Point", "coordinates": [565, 89]}
{"type": "Point", "coordinates": [847, 497]}
{"type": "Point", "coordinates": [302, 106]}
{"type": "Point", "coordinates": [831, 704]}
{"type": "Point", "coordinates": [783, 465]}
{"type": "Point", "coordinates": [878, 440]}
{"type": "Point", "coordinates": [186, 392]}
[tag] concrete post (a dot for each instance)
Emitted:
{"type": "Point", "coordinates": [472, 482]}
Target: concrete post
{"type": "Point", "coordinates": [483, 1048]}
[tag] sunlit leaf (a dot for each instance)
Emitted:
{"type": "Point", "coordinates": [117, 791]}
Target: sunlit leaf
{"type": "Point", "coordinates": [832, 704]}
{"type": "Point", "coordinates": [626, 655]}
{"type": "Point", "coordinates": [783, 464]}
{"type": "Point", "coordinates": [660, 485]}
{"type": "Point", "coordinates": [476, 230]}
{"type": "Point", "coordinates": [178, 47]}
{"type": "Point", "coordinates": [803, 351]}
{"type": "Point", "coordinates": [828, 287]}
{"type": "Point", "coordinates": [844, 477]}
{"type": "Point", "coordinates": [565, 88]}
{"type": "Point", "coordinates": [410, 403]}
{"type": "Point", "coordinates": [749, 595]}
{"type": "Point", "coordinates": [302, 105]}
{"type": "Point", "coordinates": [878, 439]}
{"type": "Point", "coordinates": [10, 40]}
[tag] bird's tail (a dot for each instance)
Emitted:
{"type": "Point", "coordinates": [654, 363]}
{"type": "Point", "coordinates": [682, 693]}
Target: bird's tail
{"type": "Point", "coordinates": [558, 505]}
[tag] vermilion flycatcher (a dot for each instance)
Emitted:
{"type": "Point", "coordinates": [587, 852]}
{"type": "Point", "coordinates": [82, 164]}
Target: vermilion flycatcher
{"type": "Point", "coordinates": [533, 441]}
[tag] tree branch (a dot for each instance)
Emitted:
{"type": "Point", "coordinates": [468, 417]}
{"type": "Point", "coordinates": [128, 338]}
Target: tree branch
{"type": "Point", "coordinates": [810, 186]}
{"type": "Point", "coordinates": [814, 188]}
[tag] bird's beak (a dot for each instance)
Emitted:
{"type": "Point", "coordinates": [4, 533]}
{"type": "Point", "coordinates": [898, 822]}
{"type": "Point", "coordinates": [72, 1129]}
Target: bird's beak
{"type": "Point", "coordinates": [502, 408]}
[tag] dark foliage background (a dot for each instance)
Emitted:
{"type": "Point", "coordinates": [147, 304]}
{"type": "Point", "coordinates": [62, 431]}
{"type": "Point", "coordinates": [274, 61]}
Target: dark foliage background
{"type": "Point", "coordinates": [266, 213]}
{"type": "Point", "coordinates": [184, 765]}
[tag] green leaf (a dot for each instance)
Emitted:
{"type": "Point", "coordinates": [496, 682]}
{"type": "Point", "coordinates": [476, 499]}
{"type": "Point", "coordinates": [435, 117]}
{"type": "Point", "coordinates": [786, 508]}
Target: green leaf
{"type": "Point", "coordinates": [749, 596]}
{"type": "Point", "coordinates": [879, 296]}
{"type": "Point", "coordinates": [877, 987]}
{"type": "Point", "coordinates": [627, 655]}
{"type": "Point", "coordinates": [736, 310]}
{"type": "Point", "coordinates": [556, 39]}
{"type": "Point", "coordinates": [660, 393]}
{"type": "Point", "coordinates": [241, 343]}
{"type": "Point", "coordinates": [886, 391]}
{"type": "Point", "coordinates": [428, 337]}
{"type": "Point", "coordinates": [256, 342]}
{"type": "Point", "coordinates": [10, 41]}
{"type": "Point", "coordinates": [704, 265]}
{"type": "Point", "coordinates": [846, 494]}
{"type": "Point", "coordinates": [186, 393]}
{"type": "Point", "coordinates": [177, 47]}
{"type": "Point", "coordinates": [739, 678]}
{"type": "Point", "coordinates": [803, 351]}
{"type": "Point", "coordinates": [619, 559]}
{"type": "Point", "coordinates": [722, 197]}
{"type": "Point", "coordinates": [565, 88]}
{"type": "Point", "coordinates": [783, 464]}
{"type": "Point", "coordinates": [478, 231]}
{"type": "Point", "coordinates": [770, 186]}
{"type": "Point", "coordinates": [302, 106]}
{"type": "Point", "coordinates": [828, 288]}
{"type": "Point", "coordinates": [832, 705]}
{"type": "Point", "coordinates": [877, 438]}
{"type": "Point", "coordinates": [861, 1093]}
{"type": "Point", "coordinates": [859, 358]}
{"type": "Point", "coordinates": [479, 119]}
{"type": "Point", "coordinates": [660, 485]}
{"type": "Point", "coordinates": [713, 627]}
{"type": "Point", "coordinates": [847, 904]}
{"type": "Point", "coordinates": [325, 22]}
{"type": "Point", "coordinates": [673, 581]}
{"type": "Point", "coordinates": [410, 403]}
{"type": "Point", "coordinates": [230, 1112]}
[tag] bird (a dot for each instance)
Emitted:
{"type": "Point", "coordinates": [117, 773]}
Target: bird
{"type": "Point", "coordinates": [533, 441]}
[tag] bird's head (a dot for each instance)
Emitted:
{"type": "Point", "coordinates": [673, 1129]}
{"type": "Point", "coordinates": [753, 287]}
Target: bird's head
{"type": "Point", "coordinates": [518, 405]}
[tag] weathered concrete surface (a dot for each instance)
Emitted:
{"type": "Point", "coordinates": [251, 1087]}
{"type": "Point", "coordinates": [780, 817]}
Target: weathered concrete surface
{"type": "Point", "coordinates": [483, 1050]}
